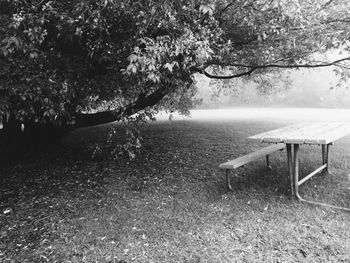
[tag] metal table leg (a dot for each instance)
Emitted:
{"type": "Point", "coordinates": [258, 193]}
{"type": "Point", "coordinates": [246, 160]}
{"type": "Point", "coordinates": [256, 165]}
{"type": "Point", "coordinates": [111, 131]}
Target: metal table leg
{"type": "Point", "coordinates": [290, 168]}
{"type": "Point", "coordinates": [323, 153]}
{"type": "Point", "coordinates": [297, 183]}
{"type": "Point", "coordinates": [268, 162]}
{"type": "Point", "coordinates": [296, 171]}
{"type": "Point", "coordinates": [327, 158]}
{"type": "Point", "coordinates": [228, 180]}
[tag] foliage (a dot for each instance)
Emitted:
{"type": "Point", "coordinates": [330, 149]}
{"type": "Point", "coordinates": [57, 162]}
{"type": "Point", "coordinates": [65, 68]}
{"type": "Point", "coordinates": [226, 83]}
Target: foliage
{"type": "Point", "coordinates": [62, 59]}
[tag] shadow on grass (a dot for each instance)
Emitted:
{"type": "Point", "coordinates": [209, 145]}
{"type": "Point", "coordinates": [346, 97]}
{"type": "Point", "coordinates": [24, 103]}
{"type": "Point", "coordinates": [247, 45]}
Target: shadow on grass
{"type": "Point", "coordinates": [170, 203]}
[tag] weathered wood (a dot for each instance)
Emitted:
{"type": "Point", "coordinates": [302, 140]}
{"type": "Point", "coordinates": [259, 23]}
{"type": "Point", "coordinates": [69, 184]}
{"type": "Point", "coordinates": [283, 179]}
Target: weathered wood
{"type": "Point", "coordinates": [310, 131]}
{"type": "Point", "coordinates": [315, 133]}
{"type": "Point", "coordinates": [233, 164]}
{"type": "Point", "coordinates": [330, 135]}
{"type": "Point", "coordinates": [306, 133]}
{"type": "Point", "coordinates": [294, 134]}
{"type": "Point", "coordinates": [274, 136]}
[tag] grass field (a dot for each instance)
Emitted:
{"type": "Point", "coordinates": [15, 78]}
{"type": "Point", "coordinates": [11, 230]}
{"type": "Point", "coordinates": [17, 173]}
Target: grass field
{"type": "Point", "coordinates": [170, 203]}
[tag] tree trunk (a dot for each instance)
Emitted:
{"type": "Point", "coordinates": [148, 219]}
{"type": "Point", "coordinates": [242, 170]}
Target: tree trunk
{"type": "Point", "coordinates": [90, 119]}
{"type": "Point", "coordinates": [42, 134]}
{"type": "Point", "coordinates": [11, 131]}
{"type": "Point", "coordinates": [30, 134]}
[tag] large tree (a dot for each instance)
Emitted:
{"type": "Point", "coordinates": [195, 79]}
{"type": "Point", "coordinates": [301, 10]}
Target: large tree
{"type": "Point", "coordinates": [76, 63]}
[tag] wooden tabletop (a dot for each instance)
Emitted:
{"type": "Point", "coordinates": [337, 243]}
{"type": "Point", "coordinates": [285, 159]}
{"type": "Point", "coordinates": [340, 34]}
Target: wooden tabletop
{"type": "Point", "coordinates": [306, 133]}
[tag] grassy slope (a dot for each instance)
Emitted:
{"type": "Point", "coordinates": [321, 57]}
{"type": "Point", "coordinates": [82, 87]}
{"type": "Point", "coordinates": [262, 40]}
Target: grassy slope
{"type": "Point", "coordinates": [170, 203]}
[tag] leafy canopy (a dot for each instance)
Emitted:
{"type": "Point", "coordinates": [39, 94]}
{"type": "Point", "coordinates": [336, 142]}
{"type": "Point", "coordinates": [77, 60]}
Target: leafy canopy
{"type": "Point", "coordinates": [59, 59]}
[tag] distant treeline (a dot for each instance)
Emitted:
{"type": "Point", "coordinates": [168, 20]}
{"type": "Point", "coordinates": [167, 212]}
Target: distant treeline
{"type": "Point", "coordinates": [310, 88]}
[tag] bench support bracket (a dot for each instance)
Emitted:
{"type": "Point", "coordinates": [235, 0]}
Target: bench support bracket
{"type": "Point", "coordinates": [228, 180]}
{"type": "Point", "coordinates": [268, 162]}
{"type": "Point", "coordinates": [241, 161]}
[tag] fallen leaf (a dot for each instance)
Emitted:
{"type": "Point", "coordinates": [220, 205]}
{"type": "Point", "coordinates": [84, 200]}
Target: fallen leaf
{"type": "Point", "coordinates": [7, 211]}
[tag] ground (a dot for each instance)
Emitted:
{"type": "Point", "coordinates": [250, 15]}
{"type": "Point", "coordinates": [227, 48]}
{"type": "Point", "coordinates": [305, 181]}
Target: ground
{"type": "Point", "coordinates": [170, 203]}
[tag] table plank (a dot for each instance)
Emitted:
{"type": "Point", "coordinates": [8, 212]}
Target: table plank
{"type": "Point", "coordinates": [331, 135]}
{"type": "Point", "coordinates": [305, 133]}
{"type": "Point", "coordinates": [274, 136]}
{"type": "Point", "coordinates": [298, 136]}
{"type": "Point", "coordinates": [297, 133]}
{"type": "Point", "coordinates": [311, 131]}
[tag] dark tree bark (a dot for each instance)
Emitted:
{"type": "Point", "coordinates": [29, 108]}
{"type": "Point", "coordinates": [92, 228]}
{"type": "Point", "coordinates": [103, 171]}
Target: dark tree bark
{"type": "Point", "coordinates": [91, 119]}
{"type": "Point", "coordinates": [32, 134]}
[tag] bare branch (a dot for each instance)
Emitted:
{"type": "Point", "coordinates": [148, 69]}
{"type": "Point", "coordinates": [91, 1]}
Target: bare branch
{"type": "Point", "coordinates": [252, 68]}
{"type": "Point", "coordinates": [238, 75]}
{"type": "Point", "coordinates": [226, 8]}
{"type": "Point", "coordinates": [339, 20]}
{"type": "Point", "coordinates": [324, 64]}
{"type": "Point", "coordinates": [327, 4]}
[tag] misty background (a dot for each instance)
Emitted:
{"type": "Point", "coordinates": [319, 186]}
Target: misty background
{"type": "Point", "coordinates": [294, 95]}
{"type": "Point", "coordinates": [304, 88]}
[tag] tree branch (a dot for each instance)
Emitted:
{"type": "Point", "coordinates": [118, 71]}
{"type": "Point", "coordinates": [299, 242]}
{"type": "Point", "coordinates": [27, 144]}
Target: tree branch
{"type": "Point", "coordinates": [327, 4]}
{"type": "Point", "coordinates": [327, 64]}
{"type": "Point", "coordinates": [238, 75]}
{"type": "Point", "coordinates": [226, 8]}
{"type": "Point", "coordinates": [252, 68]}
{"type": "Point", "coordinates": [91, 119]}
{"type": "Point", "coordinates": [338, 20]}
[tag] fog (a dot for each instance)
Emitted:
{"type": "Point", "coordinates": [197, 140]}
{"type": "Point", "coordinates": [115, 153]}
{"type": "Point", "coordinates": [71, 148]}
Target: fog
{"type": "Point", "coordinates": [263, 113]}
{"type": "Point", "coordinates": [304, 88]}
{"type": "Point", "coordinates": [313, 95]}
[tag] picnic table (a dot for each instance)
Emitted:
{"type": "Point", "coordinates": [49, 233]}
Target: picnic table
{"type": "Point", "coordinates": [293, 136]}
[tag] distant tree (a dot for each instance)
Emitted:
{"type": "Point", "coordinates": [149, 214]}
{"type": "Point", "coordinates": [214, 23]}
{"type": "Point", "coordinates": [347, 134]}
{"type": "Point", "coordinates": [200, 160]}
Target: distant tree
{"type": "Point", "coordinates": [67, 64]}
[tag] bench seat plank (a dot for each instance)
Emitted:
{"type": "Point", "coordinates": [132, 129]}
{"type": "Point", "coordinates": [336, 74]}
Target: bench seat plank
{"type": "Point", "coordinates": [233, 164]}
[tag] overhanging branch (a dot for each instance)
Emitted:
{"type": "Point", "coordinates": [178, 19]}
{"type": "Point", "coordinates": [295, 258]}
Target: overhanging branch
{"type": "Point", "coordinates": [251, 68]}
{"type": "Point", "coordinates": [91, 119]}
{"type": "Point", "coordinates": [238, 75]}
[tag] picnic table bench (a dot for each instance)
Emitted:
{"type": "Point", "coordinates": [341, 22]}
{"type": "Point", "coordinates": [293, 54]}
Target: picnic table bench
{"type": "Point", "coordinates": [243, 160]}
{"type": "Point", "coordinates": [291, 137]}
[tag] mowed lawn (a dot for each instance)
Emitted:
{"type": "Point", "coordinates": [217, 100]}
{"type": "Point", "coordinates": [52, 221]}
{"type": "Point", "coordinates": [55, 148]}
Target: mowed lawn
{"type": "Point", "coordinates": [170, 203]}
